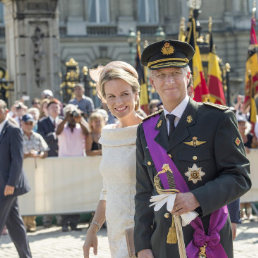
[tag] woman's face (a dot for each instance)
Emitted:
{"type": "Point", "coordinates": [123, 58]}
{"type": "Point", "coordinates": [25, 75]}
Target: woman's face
{"type": "Point", "coordinates": [241, 127]}
{"type": "Point", "coordinates": [96, 124]}
{"type": "Point", "coordinates": [120, 98]}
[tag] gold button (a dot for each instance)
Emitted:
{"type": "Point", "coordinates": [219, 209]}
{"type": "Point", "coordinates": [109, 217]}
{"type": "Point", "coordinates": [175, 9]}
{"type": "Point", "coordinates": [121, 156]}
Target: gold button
{"type": "Point", "coordinates": [195, 157]}
{"type": "Point", "coordinates": [149, 163]}
{"type": "Point", "coordinates": [170, 156]}
{"type": "Point", "coordinates": [166, 215]}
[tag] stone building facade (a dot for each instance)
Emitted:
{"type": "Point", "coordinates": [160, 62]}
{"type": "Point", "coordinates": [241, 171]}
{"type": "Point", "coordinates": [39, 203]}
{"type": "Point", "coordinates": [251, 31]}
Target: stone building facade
{"type": "Point", "coordinates": [95, 32]}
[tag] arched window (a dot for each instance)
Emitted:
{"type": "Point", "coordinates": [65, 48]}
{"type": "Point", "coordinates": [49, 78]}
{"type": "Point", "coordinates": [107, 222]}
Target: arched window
{"type": "Point", "coordinates": [148, 11]}
{"type": "Point", "coordinates": [98, 11]}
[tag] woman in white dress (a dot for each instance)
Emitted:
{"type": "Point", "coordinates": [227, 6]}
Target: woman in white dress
{"type": "Point", "coordinates": [119, 88]}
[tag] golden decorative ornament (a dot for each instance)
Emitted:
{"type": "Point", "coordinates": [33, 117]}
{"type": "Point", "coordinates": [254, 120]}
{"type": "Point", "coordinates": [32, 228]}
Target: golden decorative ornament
{"type": "Point", "coordinates": [159, 124]}
{"type": "Point", "coordinates": [237, 141]}
{"type": "Point", "coordinates": [170, 156]}
{"type": "Point", "coordinates": [189, 119]}
{"type": "Point", "coordinates": [202, 253]}
{"type": "Point", "coordinates": [195, 174]}
{"type": "Point", "coordinates": [167, 49]}
{"type": "Point", "coordinates": [166, 215]}
{"type": "Point", "coordinates": [195, 142]}
{"type": "Point", "coordinates": [195, 157]}
{"type": "Point", "coordinates": [149, 163]}
{"type": "Point", "coordinates": [171, 237]}
{"type": "Point", "coordinates": [157, 183]}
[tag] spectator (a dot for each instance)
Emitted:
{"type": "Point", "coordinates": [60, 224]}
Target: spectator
{"type": "Point", "coordinates": [19, 110]}
{"type": "Point", "coordinates": [71, 133]}
{"type": "Point", "coordinates": [36, 103]}
{"type": "Point", "coordinates": [96, 123]}
{"type": "Point", "coordinates": [85, 104]}
{"type": "Point", "coordinates": [71, 140]}
{"type": "Point", "coordinates": [35, 113]}
{"type": "Point", "coordinates": [33, 146]}
{"type": "Point", "coordinates": [47, 128]}
{"type": "Point", "coordinates": [47, 94]}
{"type": "Point", "coordinates": [153, 105]}
{"type": "Point", "coordinates": [43, 108]}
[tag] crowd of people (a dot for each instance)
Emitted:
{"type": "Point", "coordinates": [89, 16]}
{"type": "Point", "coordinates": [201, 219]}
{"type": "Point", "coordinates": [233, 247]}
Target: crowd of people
{"type": "Point", "coordinates": [51, 129]}
{"type": "Point", "coordinates": [173, 157]}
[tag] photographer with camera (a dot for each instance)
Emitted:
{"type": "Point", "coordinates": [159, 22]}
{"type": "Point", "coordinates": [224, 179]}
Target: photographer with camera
{"type": "Point", "coordinates": [71, 133]}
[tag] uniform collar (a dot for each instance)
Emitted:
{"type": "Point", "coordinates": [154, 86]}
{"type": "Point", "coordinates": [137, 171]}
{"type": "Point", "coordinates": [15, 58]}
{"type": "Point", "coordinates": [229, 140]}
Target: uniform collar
{"type": "Point", "coordinates": [179, 109]}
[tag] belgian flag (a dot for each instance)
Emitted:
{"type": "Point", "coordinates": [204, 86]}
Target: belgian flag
{"type": "Point", "coordinates": [214, 77]}
{"type": "Point", "coordinates": [251, 74]}
{"type": "Point", "coordinates": [142, 73]}
{"type": "Point", "coordinates": [201, 92]}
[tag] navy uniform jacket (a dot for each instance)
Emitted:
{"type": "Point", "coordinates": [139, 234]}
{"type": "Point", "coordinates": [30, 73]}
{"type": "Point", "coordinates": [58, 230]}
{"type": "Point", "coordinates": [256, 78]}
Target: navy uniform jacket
{"type": "Point", "coordinates": [221, 158]}
{"type": "Point", "coordinates": [47, 129]}
{"type": "Point", "coordinates": [11, 158]}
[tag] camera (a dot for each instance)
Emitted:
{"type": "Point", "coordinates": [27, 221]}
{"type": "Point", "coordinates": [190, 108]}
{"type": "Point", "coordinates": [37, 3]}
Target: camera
{"type": "Point", "coordinates": [75, 114]}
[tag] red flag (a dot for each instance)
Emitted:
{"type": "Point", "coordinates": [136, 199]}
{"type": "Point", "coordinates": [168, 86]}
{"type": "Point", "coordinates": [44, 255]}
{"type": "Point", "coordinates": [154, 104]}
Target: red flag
{"type": "Point", "coordinates": [201, 92]}
{"type": "Point", "coordinates": [214, 77]}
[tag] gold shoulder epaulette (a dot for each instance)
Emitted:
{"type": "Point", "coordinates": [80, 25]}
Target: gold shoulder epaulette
{"type": "Point", "coordinates": [221, 107]}
{"type": "Point", "coordinates": [153, 114]}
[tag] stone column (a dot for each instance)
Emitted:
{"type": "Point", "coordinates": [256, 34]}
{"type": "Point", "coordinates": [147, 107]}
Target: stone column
{"type": "Point", "coordinates": [32, 45]}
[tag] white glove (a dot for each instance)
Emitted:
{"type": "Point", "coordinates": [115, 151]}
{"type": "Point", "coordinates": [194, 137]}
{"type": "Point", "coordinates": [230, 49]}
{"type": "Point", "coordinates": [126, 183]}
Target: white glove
{"type": "Point", "coordinates": [159, 200]}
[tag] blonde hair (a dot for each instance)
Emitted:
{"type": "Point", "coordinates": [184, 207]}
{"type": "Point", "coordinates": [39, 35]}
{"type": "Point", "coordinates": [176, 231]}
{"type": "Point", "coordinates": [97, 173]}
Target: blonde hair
{"type": "Point", "coordinates": [119, 70]}
{"type": "Point", "coordinates": [94, 116]}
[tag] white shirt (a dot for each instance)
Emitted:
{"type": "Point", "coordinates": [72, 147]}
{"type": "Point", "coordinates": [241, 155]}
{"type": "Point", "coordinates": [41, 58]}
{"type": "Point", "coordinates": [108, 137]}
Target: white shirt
{"type": "Point", "coordinates": [177, 112]}
{"type": "Point", "coordinates": [54, 120]}
{"type": "Point", "coordinates": [2, 125]}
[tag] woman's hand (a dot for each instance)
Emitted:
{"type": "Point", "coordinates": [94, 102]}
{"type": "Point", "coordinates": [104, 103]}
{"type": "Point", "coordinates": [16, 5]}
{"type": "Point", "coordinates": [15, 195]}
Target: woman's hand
{"type": "Point", "coordinates": [145, 253]}
{"type": "Point", "coordinates": [90, 241]}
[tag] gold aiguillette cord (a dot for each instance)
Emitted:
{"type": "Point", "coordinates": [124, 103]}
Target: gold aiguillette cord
{"type": "Point", "coordinates": [180, 236]}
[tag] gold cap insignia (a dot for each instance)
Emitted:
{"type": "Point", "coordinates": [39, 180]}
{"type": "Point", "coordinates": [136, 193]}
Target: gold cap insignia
{"type": "Point", "coordinates": [159, 124]}
{"type": "Point", "coordinates": [194, 174]}
{"type": "Point", "coordinates": [237, 141]}
{"type": "Point", "coordinates": [167, 49]}
{"type": "Point", "coordinates": [195, 142]}
{"type": "Point", "coordinates": [189, 119]}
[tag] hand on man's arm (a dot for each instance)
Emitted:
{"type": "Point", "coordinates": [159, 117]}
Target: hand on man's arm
{"type": "Point", "coordinates": [145, 253]}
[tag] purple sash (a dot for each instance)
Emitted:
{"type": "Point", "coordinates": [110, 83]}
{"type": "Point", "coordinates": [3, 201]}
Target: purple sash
{"type": "Point", "coordinates": [218, 218]}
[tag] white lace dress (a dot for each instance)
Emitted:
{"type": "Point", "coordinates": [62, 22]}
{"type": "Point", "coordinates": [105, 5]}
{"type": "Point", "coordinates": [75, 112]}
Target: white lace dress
{"type": "Point", "coordinates": [118, 168]}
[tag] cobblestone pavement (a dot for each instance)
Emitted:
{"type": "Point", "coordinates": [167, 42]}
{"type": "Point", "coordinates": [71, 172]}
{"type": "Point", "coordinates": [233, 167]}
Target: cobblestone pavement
{"type": "Point", "coordinates": [53, 243]}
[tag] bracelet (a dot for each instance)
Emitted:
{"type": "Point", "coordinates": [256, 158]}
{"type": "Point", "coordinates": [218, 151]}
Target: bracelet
{"type": "Point", "coordinates": [97, 224]}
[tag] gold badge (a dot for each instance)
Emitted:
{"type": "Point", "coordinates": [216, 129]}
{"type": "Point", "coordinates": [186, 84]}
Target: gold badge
{"type": "Point", "coordinates": [195, 142]}
{"type": "Point", "coordinates": [194, 174]}
{"type": "Point", "coordinates": [159, 124]}
{"type": "Point", "coordinates": [237, 141]}
{"type": "Point", "coordinates": [189, 119]}
{"type": "Point", "coordinates": [167, 49]}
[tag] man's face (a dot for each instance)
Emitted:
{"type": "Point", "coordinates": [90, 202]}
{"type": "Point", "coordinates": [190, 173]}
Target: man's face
{"type": "Point", "coordinates": [27, 127]}
{"type": "Point", "coordinates": [170, 84]}
{"type": "Point", "coordinates": [53, 110]}
{"type": "Point", "coordinates": [78, 91]}
{"type": "Point", "coordinates": [3, 113]}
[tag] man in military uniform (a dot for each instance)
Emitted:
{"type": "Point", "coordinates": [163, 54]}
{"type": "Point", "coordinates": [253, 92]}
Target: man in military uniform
{"type": "Point", "coordinates": [200, 145]}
